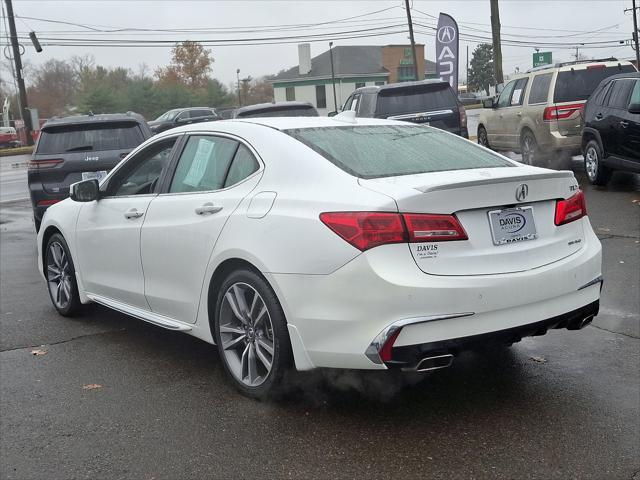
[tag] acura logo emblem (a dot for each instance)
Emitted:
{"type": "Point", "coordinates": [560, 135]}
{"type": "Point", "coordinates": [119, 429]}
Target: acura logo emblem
{"type": "Point", "coordinates": [446, 34]}
{"type": "Point", "coordinates": [521, 192]}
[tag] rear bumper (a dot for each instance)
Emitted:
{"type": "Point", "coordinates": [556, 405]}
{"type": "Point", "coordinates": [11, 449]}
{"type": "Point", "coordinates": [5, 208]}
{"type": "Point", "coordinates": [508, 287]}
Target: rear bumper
{"type": "Point", "coordinates": [333, 319]}
{"type": "Point", "coordinates": [39, 195]}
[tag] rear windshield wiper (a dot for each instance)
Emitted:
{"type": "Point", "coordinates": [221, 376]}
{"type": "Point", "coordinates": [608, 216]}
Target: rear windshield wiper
{"type": "Point", "coordinates": [79, 148]}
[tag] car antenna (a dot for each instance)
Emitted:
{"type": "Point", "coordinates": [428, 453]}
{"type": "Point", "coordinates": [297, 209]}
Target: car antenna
{"type": "Point", "coordinates": [348, 116]}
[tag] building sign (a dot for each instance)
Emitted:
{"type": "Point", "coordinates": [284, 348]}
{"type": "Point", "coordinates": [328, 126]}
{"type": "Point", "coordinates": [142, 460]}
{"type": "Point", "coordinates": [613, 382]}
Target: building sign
{"type": "Point", "coordinates": [542, 58]}
{"type": "Point", "coordinates": [447, 43]}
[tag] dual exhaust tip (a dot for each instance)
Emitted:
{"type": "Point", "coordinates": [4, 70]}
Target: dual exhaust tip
{"type": "Point", "coordinates": [437, 362]}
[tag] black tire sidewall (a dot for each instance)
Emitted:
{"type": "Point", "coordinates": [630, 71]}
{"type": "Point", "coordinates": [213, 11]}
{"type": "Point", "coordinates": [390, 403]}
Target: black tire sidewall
{"type": "Point", "coordinates": [74, 304]}
{"type": "Point", "coordinates": [283, 357]}
{"type": "Point", "coordinates": [481, 131]}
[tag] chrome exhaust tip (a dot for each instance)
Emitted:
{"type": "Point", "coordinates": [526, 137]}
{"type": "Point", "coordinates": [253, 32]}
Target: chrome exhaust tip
{"type": "Point", "coordinates": [580, 324]}
{"type": "Point", "coordinates": [434, 363]}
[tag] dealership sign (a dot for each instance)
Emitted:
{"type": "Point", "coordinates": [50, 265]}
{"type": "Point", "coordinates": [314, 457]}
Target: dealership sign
{"type": "Point", "coordinates": [447, 43]}
{"type": "Point", "coordinates": [541, 58]}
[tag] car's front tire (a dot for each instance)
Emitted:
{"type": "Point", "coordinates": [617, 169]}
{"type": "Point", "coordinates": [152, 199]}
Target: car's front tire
{"type": "Point", "coordinates": [61, 276]}
{"type": "Point", "coordinates": [250, 330]}
{"type": "Point", "coordinates": [596, 172]}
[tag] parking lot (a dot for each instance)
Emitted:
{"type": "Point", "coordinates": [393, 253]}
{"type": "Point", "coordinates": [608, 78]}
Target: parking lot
{"type": "Point", "coordinates": [106, 395]}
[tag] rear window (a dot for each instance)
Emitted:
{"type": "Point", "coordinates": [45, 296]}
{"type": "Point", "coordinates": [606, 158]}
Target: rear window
{"type": "Point", "coordinates": [89, 138]}
{"type": "Point", "coordinates": [281, 112]}
{"type": "Point", "coordinates": [419, 98]}
{"type": "Point", "coordinates": [575, 85]}
{"type": "Point", "coordinates": [372, 151]}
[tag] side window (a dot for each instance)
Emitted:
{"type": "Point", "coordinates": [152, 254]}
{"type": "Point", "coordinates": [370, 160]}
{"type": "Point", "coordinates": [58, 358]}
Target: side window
{"type": "Point", "coordinates": [601, 94]}
{"type": "Point", "coordinates": [244, 164]}
{"type": "Point", "coordinates": [141, 173]}
{"type": "Point", "coordinates": [204, 164]}
{"type": "Point", "coordinates": [505, 95]}
{"type": "Point", "coordinates": [290, 94]}
{"type": "Point", "coordinates": [540, 88]}
{"type": "Point", "coordinates": [321, 96]}
{"type": "Point", "coordinates": [620, 93]}
{"type": "Point", "coordinates": [635, 95]}
{"type": "Point", "coordinates": [367, 105]}
{"type": "Point", "coordinates": [517, 97]}
{"type": "Point", "coordinates": [184, 115]}
{"type": "Point", "coordinates": [347, 104]}
{"type": "Point", "coordinates": [201, 113]}
{"type": "Point", "coordinates": [354, 104]}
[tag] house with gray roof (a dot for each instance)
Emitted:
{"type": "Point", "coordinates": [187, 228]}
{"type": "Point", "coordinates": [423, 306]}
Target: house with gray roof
{"type": "Point", "coordinates": [354, 66]}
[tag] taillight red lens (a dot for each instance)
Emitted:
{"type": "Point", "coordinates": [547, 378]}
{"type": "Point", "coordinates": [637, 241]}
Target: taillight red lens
{"type": "Point", "coordinates": [387, 349]}
{"type": "Point", "coordinates": [463, 116]}
{"type": "Point", "coordinates": [366, 230]}
{"type": "Point", "coordinates": [45, 163]}
{"type": "Point", "coordinates": [571, 209]}
{"type": "Point", "coordinates": [561, 112]}
{"type": "Point", "coordinates": [47, 203]}
{"type": "Point", "coordinates": [426, 227]}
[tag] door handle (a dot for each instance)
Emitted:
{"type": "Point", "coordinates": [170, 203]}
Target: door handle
{"type": "Point", "coordinates": [624, 123]}
{"type": "Point", "coordinates": [599, 116]}
{"type": "Point", "coordinates": [132, 213]}
{"type": "Point", "coordinates": [208, 209]}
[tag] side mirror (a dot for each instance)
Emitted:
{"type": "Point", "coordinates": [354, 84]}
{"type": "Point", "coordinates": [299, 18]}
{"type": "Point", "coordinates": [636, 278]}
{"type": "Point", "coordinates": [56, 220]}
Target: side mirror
{"type": "Point", "coordinates": [488, 103]}
{"type": "Point", "coordinates": [85, 191]}
{"type": "Point", "coordinates": [332, 114]}
{"type": "Point", "coordinates": [634, 108]}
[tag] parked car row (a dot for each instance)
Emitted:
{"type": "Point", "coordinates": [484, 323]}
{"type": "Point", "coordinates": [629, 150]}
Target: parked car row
{"type": "Point", "coordinates": [566, 109]}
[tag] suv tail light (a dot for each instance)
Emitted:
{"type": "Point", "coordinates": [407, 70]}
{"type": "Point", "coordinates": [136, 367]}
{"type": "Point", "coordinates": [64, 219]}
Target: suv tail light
{"type": "Point", "coordinates": [571, 209]}
{"type": "Point", "coordinates": [463, 116]}
{"type": "Point", "coordinates": [561, 112]}
{"type": "Point", "coordinates": [365, 230]}
{"type": "Point", "coordinates": [45, 163]}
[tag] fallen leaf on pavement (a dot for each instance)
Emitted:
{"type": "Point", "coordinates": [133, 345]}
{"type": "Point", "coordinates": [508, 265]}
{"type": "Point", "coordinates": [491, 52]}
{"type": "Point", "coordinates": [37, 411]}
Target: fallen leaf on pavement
{"type": "Point", "coordinates": [539, 359]}
{"type": "Point", "coordinates": [38, 352]}
{"type": "Point", "coordinates": [91, 386]}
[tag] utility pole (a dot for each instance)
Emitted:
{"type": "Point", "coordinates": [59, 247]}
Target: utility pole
{"type": "Point", "coordinates": [635, 31]}
{"type": "Point", "coordinates": [238, 77]}
{"type": "Point", "coordinates": [497, 48]}
{"type": "Point", "coordinates": [25, 114]}
{"type": "Point", "coordinates": [467, 68]}
{"type": "Point", "coordinates": [333, 79]}
{"type": "Point", "coordinates": [413, 42]}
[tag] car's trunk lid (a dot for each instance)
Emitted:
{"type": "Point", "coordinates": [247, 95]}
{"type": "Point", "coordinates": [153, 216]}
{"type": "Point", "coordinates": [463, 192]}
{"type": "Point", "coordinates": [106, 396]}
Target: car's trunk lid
{"type": "Point", "coordinates": [471, 195]}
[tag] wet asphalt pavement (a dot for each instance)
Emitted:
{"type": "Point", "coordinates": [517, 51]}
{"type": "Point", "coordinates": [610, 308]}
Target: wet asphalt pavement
{"type": "Point", "coordinates": [565, 405]}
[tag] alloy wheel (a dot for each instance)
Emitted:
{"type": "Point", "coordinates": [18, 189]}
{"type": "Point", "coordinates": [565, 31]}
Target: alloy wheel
{"type": "Point", "coordinates": [59, 276]}
{"type": "Point", "coordinates": [246, 334]}
{"type": "Point", "coordinates": [528, 150]}
{"type": "Point", "coordinates": [591, 163]}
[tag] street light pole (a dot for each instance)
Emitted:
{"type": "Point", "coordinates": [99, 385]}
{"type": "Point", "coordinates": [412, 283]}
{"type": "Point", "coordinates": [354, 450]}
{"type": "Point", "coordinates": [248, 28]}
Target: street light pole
{"type": "Point", "coordinates": [413, 42]}
{"type": "Point", "coordinates": [333, 78]}
{"type": "Point", "coordinates": [25, 114]}
{"type": "Point", "coordinates": [238, 77]}
{"type": "Point", "coordinates": [636, 32]}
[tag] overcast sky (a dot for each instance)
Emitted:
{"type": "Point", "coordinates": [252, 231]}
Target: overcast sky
{"type": "Point", "coordinates": [584, 21]}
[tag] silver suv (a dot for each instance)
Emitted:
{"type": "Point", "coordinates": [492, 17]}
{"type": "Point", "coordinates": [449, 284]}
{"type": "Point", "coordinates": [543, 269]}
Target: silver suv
{"type": "Point", "coordinates": [540, 114]}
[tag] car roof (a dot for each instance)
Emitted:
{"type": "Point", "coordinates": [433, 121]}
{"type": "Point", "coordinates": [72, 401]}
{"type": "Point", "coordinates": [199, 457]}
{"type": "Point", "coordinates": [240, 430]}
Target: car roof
{"type": "Point", "coordinates": [273, 106]}
{"type": "Point", "coordinates": [579, 65]}
{"type": "Point", "coordinates": [88, 119]}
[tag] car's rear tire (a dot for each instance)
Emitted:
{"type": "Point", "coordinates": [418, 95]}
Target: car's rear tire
{"type": "Point", "coordinates": [529, 149]}
{"type": "Point", "coordinates": [61, 276]}
{"type": "Point", "coordinates": [597, 173]}
{"type": "Point", "coordinates": [251, 333]}
{"type": "Point", "coordinates": [483, 138]}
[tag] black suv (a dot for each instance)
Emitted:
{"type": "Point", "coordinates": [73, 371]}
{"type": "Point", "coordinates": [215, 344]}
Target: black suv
{"type": "Point", "coordinates": [182, 116]}
{"type": "Point", "coordinates": [78, 148]}
{"type": "Point", "coordinates": [279, 109]}
{"type": "Point", "coordinates": [611, 135]}
{"type": "Point", "coordinates": [429, 102]}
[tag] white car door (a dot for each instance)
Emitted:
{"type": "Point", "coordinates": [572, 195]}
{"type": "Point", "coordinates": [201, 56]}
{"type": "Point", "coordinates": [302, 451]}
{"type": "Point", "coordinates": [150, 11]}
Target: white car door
{"type": "Point", "coordinates": [213, 174]}
{"type": "Point", "coordinates": [108, 230]}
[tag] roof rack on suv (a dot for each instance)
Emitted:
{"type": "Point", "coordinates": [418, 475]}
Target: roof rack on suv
{"type": "Point", "coordinates": [574, 62]}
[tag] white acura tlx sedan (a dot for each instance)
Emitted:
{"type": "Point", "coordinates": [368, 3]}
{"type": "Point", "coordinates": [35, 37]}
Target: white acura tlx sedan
{"type": "Point", "coordinates": [326, 242]}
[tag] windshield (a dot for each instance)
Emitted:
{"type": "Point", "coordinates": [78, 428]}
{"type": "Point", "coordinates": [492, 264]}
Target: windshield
{"type": "Point", "coordinates": [575, 85]}
{"type": "Point", "coordinates": [167, 116]}
{"type": "Point", "coordinates": [374, 151]}
{"type": "Point", "coordinates": [419, 98]}
{"type": "Point", "coordinates": [89, 138]}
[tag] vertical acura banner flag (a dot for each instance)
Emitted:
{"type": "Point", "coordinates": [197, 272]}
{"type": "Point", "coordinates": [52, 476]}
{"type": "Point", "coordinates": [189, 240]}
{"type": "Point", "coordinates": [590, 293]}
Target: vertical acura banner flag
{"type": "Point", "coordinates": [447, 50]}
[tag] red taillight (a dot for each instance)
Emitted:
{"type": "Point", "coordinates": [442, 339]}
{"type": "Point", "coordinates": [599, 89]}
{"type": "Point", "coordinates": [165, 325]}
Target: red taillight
{"type": "Point", "coordinates": [561, 112]}
{"type": "Point", "coordinates": [463, 116]}
{"type": "Point", "coordinates": [596, 67]}
{"type": "Point", "coordinates": [45, 163]}
{"type": "Point", "coordinates": [571, 209]}
{"type": "Point", "coordinates": [426, 227]}
{"type": "Point", "coordinates": [387, 349]}
{"type": "Point", "coordinates": [47, 203]}
{"type": "Point", "coordinates": [365, 230]}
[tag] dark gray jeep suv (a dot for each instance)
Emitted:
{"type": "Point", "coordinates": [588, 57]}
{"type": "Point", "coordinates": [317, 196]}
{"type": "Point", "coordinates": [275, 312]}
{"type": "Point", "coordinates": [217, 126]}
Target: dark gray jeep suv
{"type": "Point", "coordinates": [77, 148]}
